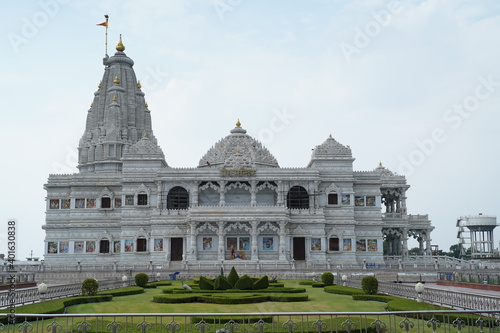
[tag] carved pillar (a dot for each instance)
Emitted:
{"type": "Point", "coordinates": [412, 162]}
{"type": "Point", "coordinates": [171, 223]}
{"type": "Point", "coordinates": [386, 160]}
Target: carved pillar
{"type": "Point", "coordinates": [428, 239]}
{"type": "Point", "coordinates": [195, 192]}
{"type": "Point", "coordinates": [168, 248]}
{"type": "Point", "coordinates": [403, 202]}
{"type": "Point", "coordinates": [282, 234]}
{"type": "Point", "coordinates": [316, 191]}
{"type": "Point", "coordinates": [280, 193]}
{"type": "Point", "coordinates": [420, 244]}
{"type": "Point", "coordinates": [222, 193]}
{"type": "Point", "coordinates": [159, 196]}
{"type": "Point", "coordinates": [404, 252]}
{"type": "Point", "coordinates": [192, 255]}
{"type": "Point", "coordinates": [255, 234]}
{"type": "Point", "coordinates": [220, 247]}
{"type": "Point", "coordinates": [253, 193]}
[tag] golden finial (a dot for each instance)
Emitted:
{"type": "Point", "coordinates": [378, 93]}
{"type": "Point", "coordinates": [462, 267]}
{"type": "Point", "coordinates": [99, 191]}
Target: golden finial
{"type": "Point", "coordinates": [120, 47]}
{"type": "Point", "coordinates": [99, 85]}
{"type": "Point", "coordinates": [238, 124]}
{"type": "Point", "coordinates": [139, 84]}
{"type": "Point", "coordinates": [116, 80]}
{"type": "Point", "coordinates": [114, 98]}
{"type": "Point", "coordinates": [238, 149]}
{"type": "Point", "coordinates": [91, 105]}
{"type": "Point", "coordinates": [146, 105]}
{"type": "Point", "coordinates": [145, 135]}
{"type": "Point", "coordinates": [330, 135]}
{"type": "Point", "coordinates": [380, 163]}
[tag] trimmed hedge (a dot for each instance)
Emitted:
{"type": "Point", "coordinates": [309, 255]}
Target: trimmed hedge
{"type": "Point", "coordinates": [318, 285]}
{"type": "Point", "coordinates": [233, 277]}
{"type": "Point", "coordinates": [205, 284]}
{"type": "Point", "coordinates": [244, 283]}
{"type": "Point", "coordinates": [175, 298]}
{"type": "Point", "coordinates": [122, 291]}
{"type": "Point", "coordinates": [221, 283]}
{"type": "Point", "coordinates": [262, 283]}
{"type": "Point", "coordinates": [230, 298]}
{"type": "Point", "coordinates": [55, 306]}
{"type": "Point", "coordinates": [288, 297]}
{"type": "Point", "coordinates": [158, 284]}
{"type": "Point", "coordinates": [306, 282]}
{"type": "Point", "coordinates": [276, 284]}
{"type": "Point", "coordinates": [376, 298]}
{"type": "Point", "coordinates": [341, 290]}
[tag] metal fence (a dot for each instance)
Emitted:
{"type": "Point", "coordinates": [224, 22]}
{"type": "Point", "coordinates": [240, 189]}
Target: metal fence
{"type": "Point", "coordinates": [318, 322]}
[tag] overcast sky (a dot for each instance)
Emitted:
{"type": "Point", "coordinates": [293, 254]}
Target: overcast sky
{"type": "Point", "coordinates": [412, 84]}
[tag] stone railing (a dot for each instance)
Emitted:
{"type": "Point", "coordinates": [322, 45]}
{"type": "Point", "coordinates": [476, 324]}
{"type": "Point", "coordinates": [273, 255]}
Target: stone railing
{"type": "Point", "coordinates": [31, 295]}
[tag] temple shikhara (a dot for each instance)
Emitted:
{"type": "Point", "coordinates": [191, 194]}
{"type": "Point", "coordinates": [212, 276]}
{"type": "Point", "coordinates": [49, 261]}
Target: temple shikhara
{"type": "Point", "coordinates": [127, 205]}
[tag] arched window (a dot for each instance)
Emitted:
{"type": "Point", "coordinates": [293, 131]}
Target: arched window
{"type": "Point", "coordinates": [178, 198]}
{"type": "Point", "coordinates": [104, 246]}
{"type": "Point", "coordinates": [297, 197]}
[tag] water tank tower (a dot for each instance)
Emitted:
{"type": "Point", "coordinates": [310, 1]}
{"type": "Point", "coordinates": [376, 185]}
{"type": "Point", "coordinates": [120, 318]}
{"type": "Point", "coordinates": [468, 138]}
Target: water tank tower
{"type": "Point", "coordinates": [479, 236]}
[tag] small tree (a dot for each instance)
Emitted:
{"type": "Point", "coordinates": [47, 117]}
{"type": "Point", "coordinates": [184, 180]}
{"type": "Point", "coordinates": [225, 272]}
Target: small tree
{"type": "Point", "coordinates": [90, 287]}
{"type": "Point", "coordinates": [369, 285]}
{"type": "Point", "coordinates": [141, 279]}
{"type": "Point", "coordinates": [327, 278]}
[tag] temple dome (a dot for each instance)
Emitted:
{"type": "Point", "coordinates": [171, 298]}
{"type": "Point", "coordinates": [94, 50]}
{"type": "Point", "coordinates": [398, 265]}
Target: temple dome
{"type": "Point", "coordinates": [238, 150]}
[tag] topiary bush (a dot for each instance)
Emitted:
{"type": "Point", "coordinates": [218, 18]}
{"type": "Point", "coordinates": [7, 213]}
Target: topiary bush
{"type": "Point", "coordinates": [318, 285]}
{"type": "Point", "coordinates": [369, 284]}
{"type": "Point", "coordinates": [233, 277]}
{"type": "Point", "coordinates": [327, 278]}
{"type": "Point", "coordinates": [262, 283]}
{"type": "Point", "coordinates": [221, 283]}
{"type": "Point", "coordinates": [244, 283]}
{"type": "Point", "coordinates": [205, 284]}
{"type": "Point", "coordinates": [141, 279]}
{"type": "Point", "coordinates": [90, 287]}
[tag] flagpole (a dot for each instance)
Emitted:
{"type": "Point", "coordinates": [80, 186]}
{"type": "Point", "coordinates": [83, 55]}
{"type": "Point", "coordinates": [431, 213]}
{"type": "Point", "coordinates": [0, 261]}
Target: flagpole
{"type": "Point", "coordinates": [106, 43]}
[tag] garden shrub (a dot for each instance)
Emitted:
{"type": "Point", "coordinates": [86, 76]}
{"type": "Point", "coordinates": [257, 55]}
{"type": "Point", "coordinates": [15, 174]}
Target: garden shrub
{"type": "Point", "coordinates": [288, 297]}
{"type": "Point", "coordinates": [206, 284]}
{"type": "Point", "coordinates": [318, 285]}
{"type": "Point", "coordinates": [221, 283]}
{"type": "Point", "coordinates": [175, 298]}
{"type": "Point", "coordinates": [141, 279]}
{"type": "Point", "coordinates": [262, 283]}
{"type": "Point", "coordinates": [369, 284]}
{"type": "Point", "coordinates": [377, 298]}
{"type": "Point", "coordinates": [123, 291]}
{"type": "Point", "coordinates": [276, 284]}
{"type": "Point", "coordinates": [233, 277]}
{"type": "Point", "coordinates": [327, 278]}
{"type": "Point", "coordinates": [244, 283]}
{"type": "Point", "coordinates": [90, 287]}
{"type": "Point", "coordinates": [306, 282]}
{"type": "Point", "coordinates": [341, 290]}
{"type": "Point", "coordinates": [233, 298]}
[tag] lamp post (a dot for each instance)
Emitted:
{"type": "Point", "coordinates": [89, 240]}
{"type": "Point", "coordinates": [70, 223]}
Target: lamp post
{"type": "Point", "coordinates": [42, 290]}
{"type": "Point", "coordinates": [419, 288]}
{"type": "Point", "coordinates": [344, 280]}
{"type": "Point", "coordinates": [124, 280]}
{"type": "Point", "coordinates": [158, 276]}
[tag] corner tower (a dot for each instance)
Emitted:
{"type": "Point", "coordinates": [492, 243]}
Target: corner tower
{"type": "Point", "coordinates": [118, 117]}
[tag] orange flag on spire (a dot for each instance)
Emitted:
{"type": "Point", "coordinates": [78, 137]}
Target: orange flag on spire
{"type": "Point", "coordinates": [104, 24]}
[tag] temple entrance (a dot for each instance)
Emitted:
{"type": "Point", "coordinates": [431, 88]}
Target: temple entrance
{"type": "Point", "coordinates": [176, 249]}
{"type": "Point", "coordinates": [299, 248]}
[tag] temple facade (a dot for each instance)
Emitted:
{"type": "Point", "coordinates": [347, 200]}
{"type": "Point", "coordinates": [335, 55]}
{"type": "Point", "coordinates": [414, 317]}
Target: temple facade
{"type": "Point", "coordinates": [126, 204]}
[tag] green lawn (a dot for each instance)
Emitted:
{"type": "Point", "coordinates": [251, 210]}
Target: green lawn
{"type": "Point", "coordinates": [319, 301]}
